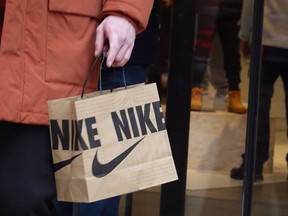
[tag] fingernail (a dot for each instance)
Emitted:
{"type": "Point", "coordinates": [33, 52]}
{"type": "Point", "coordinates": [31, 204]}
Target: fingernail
{"type": "Point", "coordinates": [108, 63]}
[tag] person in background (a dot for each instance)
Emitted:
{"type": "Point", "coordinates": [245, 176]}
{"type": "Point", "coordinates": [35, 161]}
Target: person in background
{"type": "Point", "coordinates": [46, 50]}
{"type": "Point", "coordinates": [274, 65]}
{"type": "Point", "coordinates": [135, 71]}
{"type": "Point", "coordinates": [216, 76]}
{"type": "Point", "coordinates": [220, 16]}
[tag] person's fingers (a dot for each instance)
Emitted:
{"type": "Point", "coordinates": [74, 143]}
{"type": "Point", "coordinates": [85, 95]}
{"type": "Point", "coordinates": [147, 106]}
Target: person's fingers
{"type": "Point", "coordinates": [121, 36]}
{"type": "Point", "coordinates": [99, 41]}
{"type": "Point", "coordinates": [120, 49]}
{"type": "Point", "coordinates": [113, 49]}
{"type": "Point", "coordinates": [123, 56]}
{"type": "Point", "coordinates": [124, 52]}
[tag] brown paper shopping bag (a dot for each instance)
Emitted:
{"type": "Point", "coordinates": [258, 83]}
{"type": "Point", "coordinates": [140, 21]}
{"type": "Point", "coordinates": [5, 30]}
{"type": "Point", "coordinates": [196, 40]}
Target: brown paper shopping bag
{"type": "Point", "coordinates": [105, 145]}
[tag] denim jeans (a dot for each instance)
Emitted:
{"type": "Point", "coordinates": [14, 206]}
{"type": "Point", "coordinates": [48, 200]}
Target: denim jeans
{"type": "Point", "coordinates": [216, 73]}
{"type": "Point", "coordinates": [110, 78]}
{"type": "Point", "coordinates": [117, 77]}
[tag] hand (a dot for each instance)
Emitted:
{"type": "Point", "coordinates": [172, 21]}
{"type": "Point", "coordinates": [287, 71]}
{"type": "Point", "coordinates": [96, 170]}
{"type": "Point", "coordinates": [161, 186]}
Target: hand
{"type": "Point", "coordinates": [120, 34]}
{"type": "Point", "coordinates": [245, 49]}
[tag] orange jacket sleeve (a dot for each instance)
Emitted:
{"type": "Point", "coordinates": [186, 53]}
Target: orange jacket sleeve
{"type": "Point", "coordinates": [136, 11]}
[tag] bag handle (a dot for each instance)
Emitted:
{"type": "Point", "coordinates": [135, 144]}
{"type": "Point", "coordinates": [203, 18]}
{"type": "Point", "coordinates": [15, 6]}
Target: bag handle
{"type": "Point", "coordinates": [90, 71]}
{"type": "Point", "coordinates": [124, 79]}
{"type": "Point", "coordinates": [100, 78]}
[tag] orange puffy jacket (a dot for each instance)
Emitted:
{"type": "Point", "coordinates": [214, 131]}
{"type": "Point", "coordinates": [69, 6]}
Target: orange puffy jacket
{"type": "Point", "coordinates": [2, 7]}
{"type": "Point", "coordinates": [47, 48]}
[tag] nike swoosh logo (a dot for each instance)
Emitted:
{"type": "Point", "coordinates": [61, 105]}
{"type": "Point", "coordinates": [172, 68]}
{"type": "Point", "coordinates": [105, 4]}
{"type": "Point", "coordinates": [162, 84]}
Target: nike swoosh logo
{"type": "Point", "coordinates": [60, 165]}
{"type": "Point", "coordinates": [100, 170]}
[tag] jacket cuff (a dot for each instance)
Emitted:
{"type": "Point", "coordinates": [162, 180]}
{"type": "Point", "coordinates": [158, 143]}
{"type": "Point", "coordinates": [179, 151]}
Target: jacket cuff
{"type": "Point", "coordinates": [136, 12]}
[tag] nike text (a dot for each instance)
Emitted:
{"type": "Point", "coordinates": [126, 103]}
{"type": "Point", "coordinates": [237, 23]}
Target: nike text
{"type": "Point", "coordinates": [128, 123]}
{"type": "Point", "coordinates": [142, 113]}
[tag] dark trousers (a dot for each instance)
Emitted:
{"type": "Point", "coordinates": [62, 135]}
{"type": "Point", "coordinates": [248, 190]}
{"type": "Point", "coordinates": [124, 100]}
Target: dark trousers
{"type": "Point", "coordinates": [227, 28]}
{"type": "Point", "coordinates": [27, 185]}
{"type": "Point", "coordinates": [274, 65]}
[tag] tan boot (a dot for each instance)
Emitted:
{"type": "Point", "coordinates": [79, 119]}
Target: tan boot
{"type": "Point", "coordinates": [196, 99]}
{"type": "Point", "coordinates": [234, 103]}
